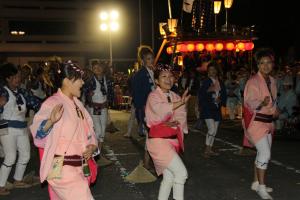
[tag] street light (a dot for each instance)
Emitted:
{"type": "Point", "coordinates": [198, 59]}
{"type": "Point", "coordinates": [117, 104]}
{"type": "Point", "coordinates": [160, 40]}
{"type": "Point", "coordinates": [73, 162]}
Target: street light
{"type": "Point", "coordinates": [217, 8]}
{"type": "Point", "coordinates": [227, 5]}
{"type": "Point", "coordinates": [109, 22]}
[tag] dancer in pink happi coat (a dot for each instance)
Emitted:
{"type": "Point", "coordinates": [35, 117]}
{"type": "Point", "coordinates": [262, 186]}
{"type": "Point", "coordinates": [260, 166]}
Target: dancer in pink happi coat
{"type": "Point", "coordinates": [64, 129]}
{"type": "Point", "coordinates": [260, 101]}
{"type": "Point", "coordinates": [165, 110]}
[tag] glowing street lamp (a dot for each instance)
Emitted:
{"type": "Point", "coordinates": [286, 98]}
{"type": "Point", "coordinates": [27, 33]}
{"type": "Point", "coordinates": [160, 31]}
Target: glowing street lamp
{"type": "Point", "coordinates": [109, 22]}
{"type": "Point", "coordinates": [217, 8]}
{"type": "Point", "coordinates": [227, 5]}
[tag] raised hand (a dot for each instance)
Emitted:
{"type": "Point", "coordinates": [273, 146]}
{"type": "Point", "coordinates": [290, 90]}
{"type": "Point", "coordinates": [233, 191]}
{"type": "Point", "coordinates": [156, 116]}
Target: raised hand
{"type": "Point", "coordinates": [185, 97]}
{"type": "Point", "coordinates": [56, 113]}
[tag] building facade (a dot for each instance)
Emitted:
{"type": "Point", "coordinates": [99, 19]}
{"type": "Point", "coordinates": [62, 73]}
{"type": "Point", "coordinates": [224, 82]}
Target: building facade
{"type": "Point", "coordinates": [33, 30]}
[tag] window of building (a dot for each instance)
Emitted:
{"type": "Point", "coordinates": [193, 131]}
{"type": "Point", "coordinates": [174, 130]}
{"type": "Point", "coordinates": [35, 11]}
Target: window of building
{"type": "Point", "coordinates": [44, 27]}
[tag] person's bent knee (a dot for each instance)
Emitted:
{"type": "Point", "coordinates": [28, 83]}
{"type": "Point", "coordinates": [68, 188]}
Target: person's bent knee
{"type": "Point", "coordinates": [181, 177]}
{"type": "Point", "coordinates": [24, 158]}
{"type": "Point", "coordinates": [10, 159]}
{"type": "Point", "coordinates": [167, 182]}
{"type": "Point", "coordinates": [262, 161]}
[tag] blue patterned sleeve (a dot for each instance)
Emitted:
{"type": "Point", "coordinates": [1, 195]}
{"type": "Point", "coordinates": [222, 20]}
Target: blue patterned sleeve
{"type": "Point", "coordinates": [40, 134]}
{"type": "Point", "coordinates": [3, 93]}
{"type": "Point", "coordinates": [32, 101]}
{"type": "Point", "coordinates": [88, 87]}
{"type": "Point", "coordinates": [110, 91]}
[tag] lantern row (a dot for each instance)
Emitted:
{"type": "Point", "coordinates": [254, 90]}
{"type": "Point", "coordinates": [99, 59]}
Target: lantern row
{"type": "Point", "coordinates": [210, 46]}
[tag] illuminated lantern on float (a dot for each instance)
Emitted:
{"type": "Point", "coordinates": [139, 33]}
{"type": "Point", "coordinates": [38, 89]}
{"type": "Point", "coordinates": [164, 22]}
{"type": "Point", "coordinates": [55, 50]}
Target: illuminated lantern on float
{"type": "Point", "coordinates": [249, 46]}
{"type": "Point", "coordinates": [178, 47]}
{"type": "Point", "coordinates": [241, 46]}
{"type": "Point", "coordinates": [190, 47]}
{"type": "Point", "coordinates": [229, 46]}
{"type": "Point", "coordinates": [219, 46]}
{"type": "Point", "coordinates": [183, 48]}
{"type": "Point", "coordinates": [200, 47]}
{"type": "Point", "coordinates": [180, 60]}
{"type": "Point", "coordinates": [170, 50]}
{"type": "Point", "coordinates": [209, 47]}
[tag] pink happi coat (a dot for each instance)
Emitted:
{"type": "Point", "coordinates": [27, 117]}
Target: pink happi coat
{"type": "Point", "coordinates": [255, 91]}
{"type": "Point", "coordinates": [157, 110]}
{"type": "Point", "coordinates": [70, 131]}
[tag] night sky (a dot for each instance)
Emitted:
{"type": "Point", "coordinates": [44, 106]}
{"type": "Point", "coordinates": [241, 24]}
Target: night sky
{"type": "Point", "coordinates": [276, 24]}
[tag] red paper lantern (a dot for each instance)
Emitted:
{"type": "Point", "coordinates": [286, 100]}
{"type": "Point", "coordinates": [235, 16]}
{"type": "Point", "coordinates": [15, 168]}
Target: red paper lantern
{"type": "Point", "coordinates": [249, 46]}
{"type": "Point", "coordinates": [229, 46]}
{"type": "Point", "coordinates": [200, 47]}
{"type": "Point", "coordinates": [241, 46]}
{"type": "Point", "coordinates": [210, 47]}
{"type": "Point", "coordinates": [190, 47]}
{"type": "Point", "coordinates": [182, 48]}
{"type": "Point", "coordinates": [219, 46]}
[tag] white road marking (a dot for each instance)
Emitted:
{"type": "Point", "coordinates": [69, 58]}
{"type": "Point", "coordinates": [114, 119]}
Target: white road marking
{"type": "Point", "coordinates": [230, 149]}
{"type": "Point", "coordinates": [123, 171]}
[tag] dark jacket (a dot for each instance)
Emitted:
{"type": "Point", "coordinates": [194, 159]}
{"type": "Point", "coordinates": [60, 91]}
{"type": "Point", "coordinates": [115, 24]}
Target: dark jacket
{"type": "Point", "coordinates": [141, 87]}
{"type": "Point", "coordinates": [208, 108]}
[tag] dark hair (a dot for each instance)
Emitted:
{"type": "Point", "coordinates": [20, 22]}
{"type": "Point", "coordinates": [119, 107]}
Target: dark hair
{"type": "Point", "coordinates": [60, 71]}
{"type": "Point", "coordinates": [100, 63]}
{"type": "Point", "coordinates": [264, 52]}
{"type": "Point", "coordinates": [160, 68]}
{"type": "Point", "coordinates": [144, 50]}
{"type": "Point", "coordinates": [7, 70]}
{"type": "Point", "coordinates": [213, 64]}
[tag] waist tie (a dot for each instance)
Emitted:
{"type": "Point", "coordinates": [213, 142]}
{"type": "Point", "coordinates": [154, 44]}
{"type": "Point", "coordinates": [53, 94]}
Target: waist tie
{"type": "Point", "coordinates": [73, 160]}
{"type": "Point", "coordinates": [3, 124]}
{"type": "Point", "coordinates": [168, 137]}
{"type": "Point", "coordinates": [263, 118]}
{"type": "Point", "coordinates": [99, 105]}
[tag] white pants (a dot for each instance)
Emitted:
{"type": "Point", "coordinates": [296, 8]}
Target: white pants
{"type": "Point", "coordinates": [173, 177]}
{"type": "Point", "coordinates": [16, 140]}
{"type": "Point", "coordinates": [263, 156]}
{"type": "Point", "coordinates": [212, 128]}
{"type": "Point", "coordinates": [131, 120]}
{"type": "Point", "coordinates": [1, 151]}
{"type": "Point", "coordinates": [100, 122]}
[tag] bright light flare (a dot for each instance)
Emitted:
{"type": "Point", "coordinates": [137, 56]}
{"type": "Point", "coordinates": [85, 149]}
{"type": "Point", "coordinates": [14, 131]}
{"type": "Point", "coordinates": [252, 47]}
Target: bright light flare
{"type": "Point", "coordinates": [103, 15]}
{"type": "Point", "coordinates": [103, 27]}
{"type": "Point", "coordinates": [114, 26]}
{"type": "Point", "coordinates": [114, 14]}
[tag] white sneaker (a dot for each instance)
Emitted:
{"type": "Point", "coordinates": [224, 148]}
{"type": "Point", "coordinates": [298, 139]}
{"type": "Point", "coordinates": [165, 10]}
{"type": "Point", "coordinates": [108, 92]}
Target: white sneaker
{"type": "Point", "coordinates": [262, 192]}
{"type": "Point", "coordinates": [255, 184]}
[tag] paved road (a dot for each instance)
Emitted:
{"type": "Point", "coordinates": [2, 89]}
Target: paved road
{"type": "Point", "coordinates": [226, 177]}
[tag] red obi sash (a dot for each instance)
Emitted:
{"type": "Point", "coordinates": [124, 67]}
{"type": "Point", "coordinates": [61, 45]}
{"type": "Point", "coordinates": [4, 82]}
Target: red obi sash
{"type": "Point", "coordinates": [162, 130]}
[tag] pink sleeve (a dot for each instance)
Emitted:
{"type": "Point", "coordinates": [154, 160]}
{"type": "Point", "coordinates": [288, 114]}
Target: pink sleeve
{"type": "Point", "coordinates": [251, 95]}
{"type": "Point", "coordinates": [157, 110]}
{"type": "Point", "coordinates": [90, 128]}
{"type": "Point", "coordinates": [41, 115]}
